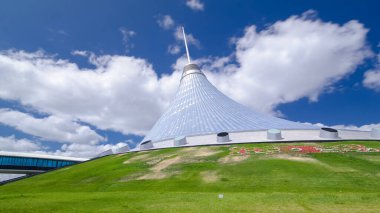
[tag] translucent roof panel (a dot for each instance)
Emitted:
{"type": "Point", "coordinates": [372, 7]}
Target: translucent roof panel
{"type": "Point", "coordinates": [199, 108]}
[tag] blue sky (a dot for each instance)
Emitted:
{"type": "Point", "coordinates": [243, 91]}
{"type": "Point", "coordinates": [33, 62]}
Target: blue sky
{"type": "Point", "coordinates": [57, 41]}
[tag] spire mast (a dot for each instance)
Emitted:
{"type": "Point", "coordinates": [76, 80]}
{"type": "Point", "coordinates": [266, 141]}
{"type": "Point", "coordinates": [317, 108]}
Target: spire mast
{"type": "Point", "coordinates": [187, 49]}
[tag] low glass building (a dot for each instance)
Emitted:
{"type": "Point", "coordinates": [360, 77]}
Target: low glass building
{"type": "Point", "coordinates": [11, 162]}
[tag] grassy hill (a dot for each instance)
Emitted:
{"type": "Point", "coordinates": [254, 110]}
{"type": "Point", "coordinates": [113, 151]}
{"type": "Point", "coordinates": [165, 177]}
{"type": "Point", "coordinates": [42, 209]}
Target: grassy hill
{"type": "Point", "coordinates": [288, 177]}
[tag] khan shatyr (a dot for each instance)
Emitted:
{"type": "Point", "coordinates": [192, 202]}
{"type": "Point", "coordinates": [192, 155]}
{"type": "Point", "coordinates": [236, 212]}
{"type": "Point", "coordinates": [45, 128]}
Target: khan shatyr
{"type": "Point", "coordinates": [201, 115]}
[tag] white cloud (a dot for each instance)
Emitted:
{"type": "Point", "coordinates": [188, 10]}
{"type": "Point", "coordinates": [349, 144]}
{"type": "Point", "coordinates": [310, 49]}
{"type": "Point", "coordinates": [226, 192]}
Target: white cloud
{"type": "Point", "coordinates": [18, 145]}
{"type": "Point", "coordinates": [166, 22]}
{"type": "Point", "coordinates": [12, 144]}
{"type": "Point", "coordinates": [129, 142]}
{"type": "Point", "coordinates": [80, 53]}
{"type": "Point", "coordinates": [50, 128]}
{"type": "Point", "coordinates": [290, 60]}
{"type": "Point", "coordinates": [372, 77]}
{"type": "Point", "coordinates": [127, 34]}
{"type": "Point", "coordinates": [174, 49]}
{"type": "Point", "coordinates": [191, 40]}
{"type": "Point", "coordinates": [85, 150]}
{"type": "Point", "coordinates": [367, 127]}
{"type": "Point", "coordinates": [195, 4]}
{"type": "Point", "coordinates": [122, 93]}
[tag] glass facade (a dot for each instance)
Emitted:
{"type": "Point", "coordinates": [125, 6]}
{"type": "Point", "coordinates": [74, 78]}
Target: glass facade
{"type": "Point", "coordinates": [7, 162]}
{"type": "Point", "coordinates": [199, 108]}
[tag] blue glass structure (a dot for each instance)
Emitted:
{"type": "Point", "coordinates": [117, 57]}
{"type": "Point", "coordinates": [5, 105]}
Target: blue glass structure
{"type": "Point", "coordinates": [15, 162]}
{"type": "Point", "coordinates": [7, 162]}
{"type": "Point", "coordinates": [199, 108]}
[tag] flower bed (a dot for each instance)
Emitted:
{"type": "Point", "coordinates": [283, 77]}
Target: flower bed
{"type": "Point", "coordinates": [342, 148]}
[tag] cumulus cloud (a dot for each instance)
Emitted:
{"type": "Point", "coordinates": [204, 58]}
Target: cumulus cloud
{"type": "Point", "coordinates": [80, 53]}
{"type": "Point", "coordinates": [88, 150]}
{"type": "Point", "coordinates": [18, 145]}
{"type": "Point", "coordinates": [174, 49]}
{"type": "Point", "coordinates": [127, 34]}
{"type": "Point", "coordinates": [372, 77]}
{"type": "Point", "coordinates": [367, 127]}
{"type": "Point", "coordinates": [166, 22]}
{"type": "Point", "coordinates": [53, 128]}
{"type": "Point", "coordinates": [195, 4]}
{"type": "Point", "coordinates": [122, 93]}
{"type": "Point", "coordinates": [85, 150]}
{"type": "Point", "coordinates": [291, 59]}
{"type": "Point", "coordinates": [13, 144]}
{"type": "Point", "coordinates": [179, 43]}
{"type": "Point", "coordinates": [191, 40]}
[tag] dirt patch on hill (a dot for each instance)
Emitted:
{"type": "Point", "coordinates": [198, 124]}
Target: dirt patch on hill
{"type": "Point", "coordinates": [295, 158]}
{"type": "Point", "coordinates": [204, 152]}
{"type": "Point", "coordinates": [374, 159]}
{"type": "Point", "coordinates": [233, 159]}
{"type": "Point", "coordinates": [137, 158]}
{"type": "Point", "coordinates": [159, 163]}
{"type": "Point", "coordinates": [166, 163]}
{"type": "Point", "coordinates": [311, 160]}
{"type": "Point", "coordinates": [199, 151]}
{"type": "Point", "coordinates": [209, 176]}
{"type": "Point", "coordinates": [156, 171]}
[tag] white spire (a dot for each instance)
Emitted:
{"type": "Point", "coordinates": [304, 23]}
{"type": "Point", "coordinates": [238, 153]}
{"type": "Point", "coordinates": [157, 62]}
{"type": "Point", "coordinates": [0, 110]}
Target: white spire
{"type": "Point", "coordinates": [187, 49]}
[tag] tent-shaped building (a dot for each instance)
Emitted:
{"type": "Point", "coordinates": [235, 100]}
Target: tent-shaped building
{"type": "Point", "coordinates": [200, 108]}
{"type": "Point", "coordinates": [200, 115]}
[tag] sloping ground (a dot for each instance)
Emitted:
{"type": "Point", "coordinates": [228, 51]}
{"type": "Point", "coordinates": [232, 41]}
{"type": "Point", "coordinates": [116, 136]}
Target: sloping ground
{"type": "Point", "coordinates": [319, 177]}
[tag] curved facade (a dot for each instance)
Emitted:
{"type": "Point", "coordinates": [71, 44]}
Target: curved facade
{"type": "Point", "coordinates": [199, 108]}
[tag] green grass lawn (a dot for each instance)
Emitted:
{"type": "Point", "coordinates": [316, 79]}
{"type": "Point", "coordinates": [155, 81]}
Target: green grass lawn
{"type": "Point", "coordinates": [190, 180]}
